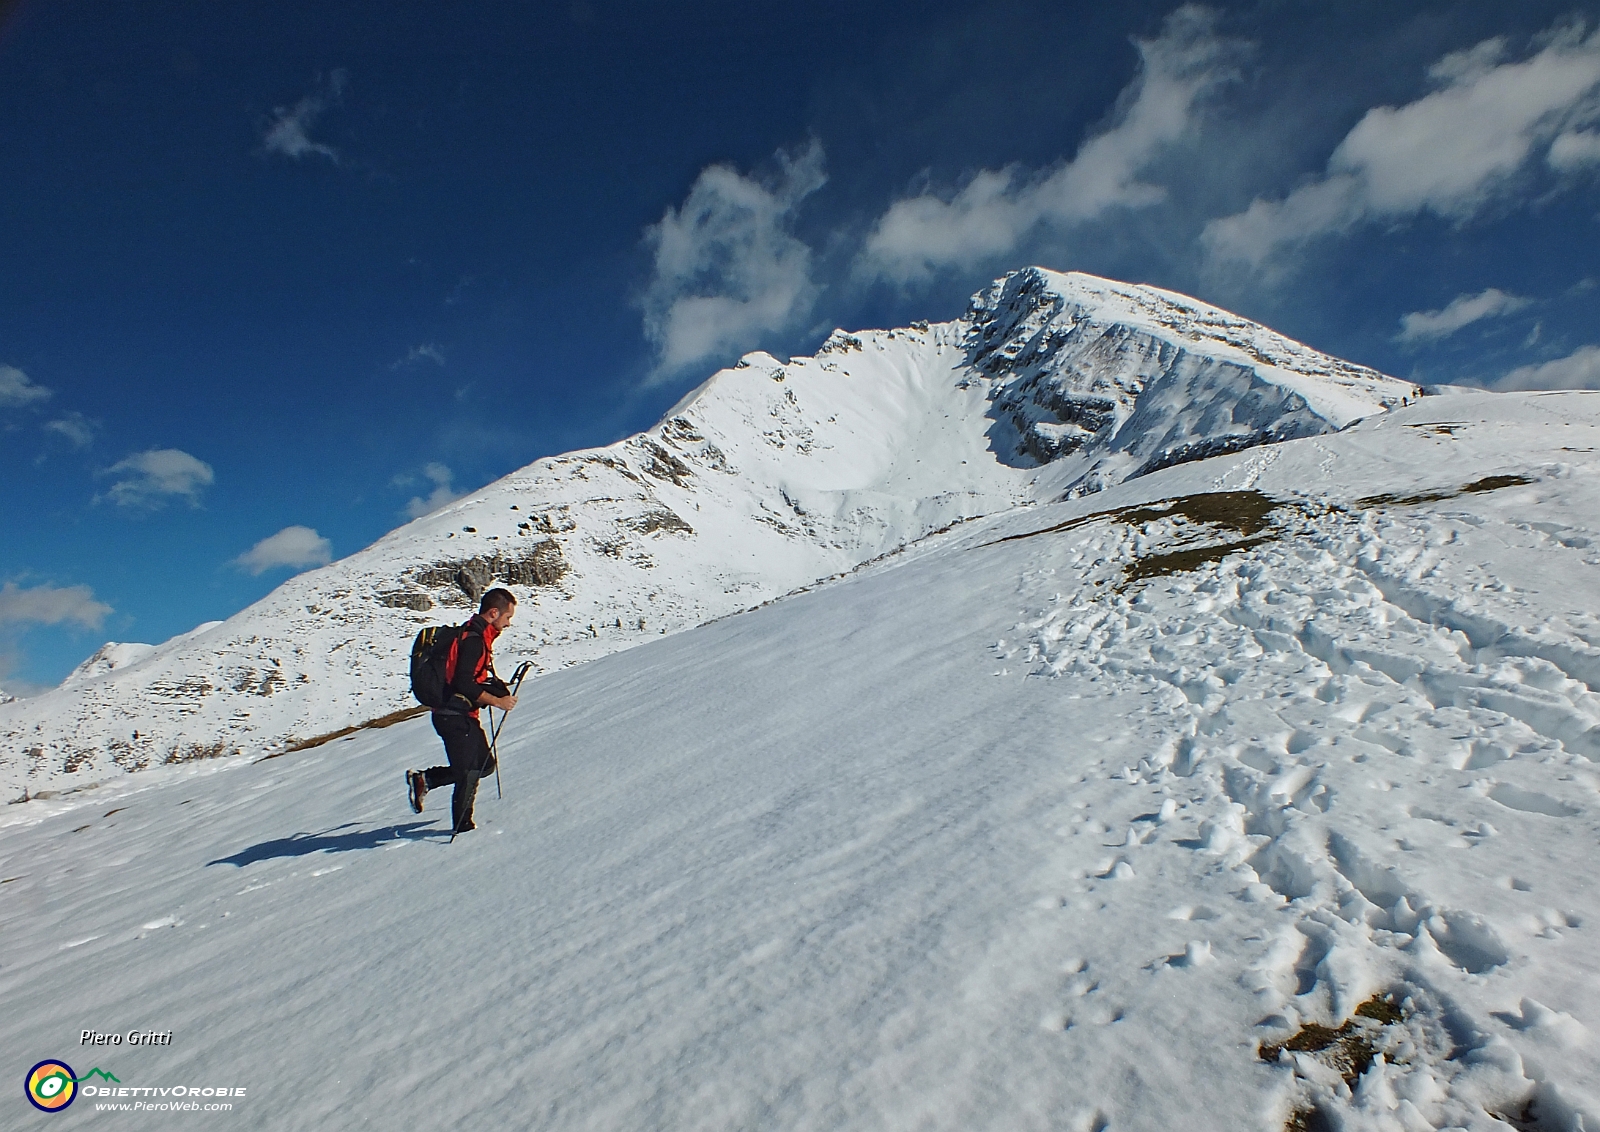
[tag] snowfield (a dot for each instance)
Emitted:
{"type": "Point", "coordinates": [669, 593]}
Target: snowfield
{"type": "Point", "coordinates": [1257, 791]}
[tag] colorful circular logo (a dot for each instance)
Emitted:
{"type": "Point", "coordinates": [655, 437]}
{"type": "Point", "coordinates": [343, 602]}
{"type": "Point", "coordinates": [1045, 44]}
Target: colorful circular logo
{"type": "Point", "coordinates": [52, 1085]}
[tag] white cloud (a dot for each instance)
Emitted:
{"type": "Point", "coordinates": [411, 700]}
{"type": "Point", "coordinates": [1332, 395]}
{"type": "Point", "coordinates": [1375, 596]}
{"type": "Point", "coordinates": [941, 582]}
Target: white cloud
{"type": "Point", "coordinates": [442, 492]}
{"type": "Point", "coordinates": [1578, 370]}
{"type": "Point", "coordinates": [727, 270]}
{"type": "Point", "coordinates": [78, 429]}
{"type": "Point", "coordinates": [149, 478]}
{"type": "Point", "coordinates": [1426, 326]}
{"type": "Point", "coordinates": [996, 209]}
{"type": "Point", "coordinates": [51, 605]}
{"type": "Point", "coordinates": [1451, 152]}
{"type": "Point", "coordinates": [427, 352]}
{"type": "Point", "coordinates": [289, 132]}
{"type": "Point", "coordinates": [295, 547]}
{"type": "Point", "coordinates": [16, 389]}
{"type": "Point", "coordinates": [1574, 150]}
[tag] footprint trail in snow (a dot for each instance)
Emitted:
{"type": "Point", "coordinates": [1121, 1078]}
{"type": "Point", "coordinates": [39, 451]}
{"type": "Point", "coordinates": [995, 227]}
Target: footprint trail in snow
{"type": "Point", "coordinates": [1379, 766]}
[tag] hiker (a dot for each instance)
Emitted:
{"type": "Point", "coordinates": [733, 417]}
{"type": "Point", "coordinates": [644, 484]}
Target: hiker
{"type": "Point", "coordinates": [472, 685]}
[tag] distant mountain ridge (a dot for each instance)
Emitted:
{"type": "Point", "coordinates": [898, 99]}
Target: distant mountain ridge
{"type": "Point", "coordinates": [768, 477]}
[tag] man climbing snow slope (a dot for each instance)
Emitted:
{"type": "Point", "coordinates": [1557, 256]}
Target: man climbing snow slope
{"type": "Point", "coordinates": [469, 673]}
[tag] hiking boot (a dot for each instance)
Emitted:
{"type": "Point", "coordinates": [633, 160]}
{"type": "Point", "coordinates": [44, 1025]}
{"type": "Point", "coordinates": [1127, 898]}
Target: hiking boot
{"type": "Point", "coordinates": [466, 825]}
{"type": "Point", "coordinates": [417, 787]}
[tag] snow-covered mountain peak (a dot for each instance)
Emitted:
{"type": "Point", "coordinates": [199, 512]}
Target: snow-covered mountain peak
{"type": "Point", "coordinates": [1107, 381]}
{"type": "Point", "coordinates": [1026, 300]}
{"type": "Point", "coordinates": [109, 657]}
{"type": "Point", "coordinates": [769, 476]}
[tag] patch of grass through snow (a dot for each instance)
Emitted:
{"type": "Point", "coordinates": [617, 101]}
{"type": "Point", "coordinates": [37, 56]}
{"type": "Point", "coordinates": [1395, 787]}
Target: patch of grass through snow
{"type": "Point", "coordinates": [1348, 1050]}
{"type": "Point", "coordinates": [389, 720]}
{"type": "Point", "coordinates": [1487, 483]}
{"type": "Point", "coordinates": [1247, 512]}
{"type": "Point", "coordinates": [1182, 561]}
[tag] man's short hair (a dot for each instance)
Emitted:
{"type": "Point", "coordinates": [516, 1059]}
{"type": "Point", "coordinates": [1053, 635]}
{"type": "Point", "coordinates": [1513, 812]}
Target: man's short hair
{"type": "Point", "coordinates": [497, 598]}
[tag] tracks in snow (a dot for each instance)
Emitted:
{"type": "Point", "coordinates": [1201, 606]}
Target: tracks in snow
{"type": "Point", "coordinates": [1323, 693]}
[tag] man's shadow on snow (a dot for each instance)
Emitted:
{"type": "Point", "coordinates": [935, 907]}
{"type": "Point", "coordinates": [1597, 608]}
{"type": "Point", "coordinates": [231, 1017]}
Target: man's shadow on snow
{"type": "Point", "coordinates": [332, 841]}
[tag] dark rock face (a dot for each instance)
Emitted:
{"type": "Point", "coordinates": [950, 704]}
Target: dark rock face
{"type": "Point", "coordinates": [681, 429]}
{"type": "Point", "coordinates": [665, 466]}
{"type": "Point", "coordinates": [258, 682]}
{"type": "Point", "coordinates": [474, 577]}
{"type": "Point", "coordinates": [195, 752]}
{"type": "Point", "coordinates": [1221, 446]}
{"type": "Point", "coordinates": [1062, 380]}
{"type": "Point", "coordinates": [662, 520]}
{"type": "Point", "coordinates": [543, 565]}
{"type": "Point", "coordinates": [406, 599]}
{"type": "Point", "coordinates": [1050, 422]}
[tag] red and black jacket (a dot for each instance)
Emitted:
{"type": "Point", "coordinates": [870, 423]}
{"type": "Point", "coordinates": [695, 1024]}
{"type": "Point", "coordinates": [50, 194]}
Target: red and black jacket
{"type": "Point", "coordinates": [469, 669]}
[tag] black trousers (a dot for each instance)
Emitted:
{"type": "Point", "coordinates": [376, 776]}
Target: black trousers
{"type": "Point", "coordinates": [467, 748]}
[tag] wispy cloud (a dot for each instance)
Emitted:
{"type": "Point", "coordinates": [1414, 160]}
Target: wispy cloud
{"type": "Point", "coordinates": [289, 132]}
{"type": "Point", "coordinates": [151, 478]}
{"type": "Point", "coordinates": [1452, 152]}
{"type": "Point", "coordinates": [726, 267]}
{"type": "Point", "coordinates": [441, 494]}
{"type": "Point", "coordinates": [294, 547]}
{"type": "Point", "coordinates": [78, 429]}
{"type": "Point", "coordinates": [1578, 370]}
{"type": "Point", "coordinates": [51, 605]}
{"type": "Point", "coordinates": [1463, 310]}
{"type": "Point", "coordinates": [16, 389]}
{"type": "Point", "coordinates": [997, 209]}
{"type": "Point", "coordinates": [427, 352]}
{"type": "Point", "coordinates": [1574, 150]}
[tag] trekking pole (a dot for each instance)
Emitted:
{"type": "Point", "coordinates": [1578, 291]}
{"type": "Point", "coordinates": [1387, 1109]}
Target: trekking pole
{"type": "Point", "coordinates": [494, 750]}
{"type": "Point", "coordinates": [494, 728]}
{"type": "Point", "coordinates": [494, 737]}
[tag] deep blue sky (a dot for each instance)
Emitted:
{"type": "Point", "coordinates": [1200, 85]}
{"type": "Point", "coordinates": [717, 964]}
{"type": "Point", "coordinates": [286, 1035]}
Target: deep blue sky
{"type": "Point", "coordinates": [293, 265]}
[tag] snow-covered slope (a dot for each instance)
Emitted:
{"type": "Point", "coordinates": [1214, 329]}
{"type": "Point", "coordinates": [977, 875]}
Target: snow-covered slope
{"type": "Point", "coordinates": [1081, 816]}
{"type": "Point", "coordinates": [111, 656]}
{"type": "Point", "coordinates": [769, 477]}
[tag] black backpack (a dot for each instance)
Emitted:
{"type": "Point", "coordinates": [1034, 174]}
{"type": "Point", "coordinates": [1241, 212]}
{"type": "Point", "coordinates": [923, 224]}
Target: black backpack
{"type": "Point", "coordinates": [432, 661]}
